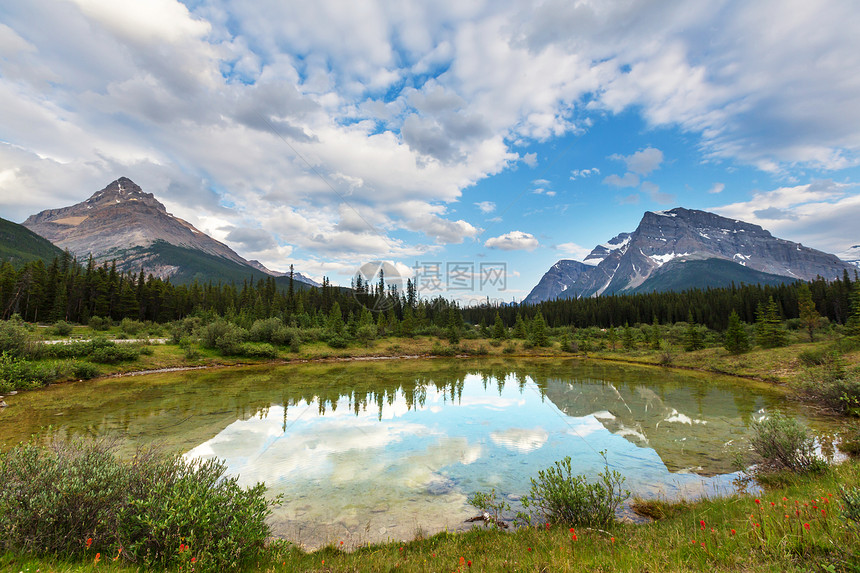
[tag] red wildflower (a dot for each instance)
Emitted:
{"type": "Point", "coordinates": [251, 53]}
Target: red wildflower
{"type": "Point", "coordinates": [806, 525]}
{"type": "Point", "coordinates": [574, 537]}
{"type": "Point", "coordinates": [469, 562]}
{"type": "Point", "coordinates": [530, 549]}
{"type": "Point", "coordinates": [758, 501]}
{"type": "Point", "coordinates": [194, 560]}
{"type": "Point", "coordinates": [98, 558]}
{"type": "Point", "coordinates": [733, 531]}
{"type": "Point", "coordinates": [772, 504]}
{"type": "Point", "coordinates": [89, 542]}
{"type": "Point", "coordinates": [702, 524]}
{"type": "Point", "coordinates": [572, 530]}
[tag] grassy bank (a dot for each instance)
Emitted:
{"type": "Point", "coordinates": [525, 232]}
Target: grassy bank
{"type": "Point", "coordinates": [801, 526]}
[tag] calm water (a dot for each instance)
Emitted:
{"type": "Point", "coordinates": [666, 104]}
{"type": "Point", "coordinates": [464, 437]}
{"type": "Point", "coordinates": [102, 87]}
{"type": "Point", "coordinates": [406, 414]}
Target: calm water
{"type": "Point", "coordinates": [367, 451]}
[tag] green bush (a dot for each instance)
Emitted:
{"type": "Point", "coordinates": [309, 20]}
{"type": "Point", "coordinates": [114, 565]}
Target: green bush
{"type": "Point", "coordinates": [131, 327]}
{"type": "Point", "coordinates": [851, 505]}
{"type": "Point", "coordinates": [19, 374]}
{"type": "Point", "coordinates": [85, 370]}
{"type": "Point", "coordinates": [114, 353]}
{"type": "Point", "coordinates": [782, 443]}
{"type": "Point", "coordinates": [439, 350]}
{"type": "Point", "coordinates": [54, 499]}
{"type": "Point", "coordinates": [225, 336]}
{"type": "Point", "coordinates": [258, 350]}
{"type": "Point", "coordinates": [14, 337]}
{"type": "Point", "coordinates": [559, 496]}
{"type": "Point", "coordinates": [100, 323]}
{"type": "Point", "coordinates": [264, 330]}
{"type": "Point", "coordinates": [337, 342]}
{"type": "Point", "coordinates": [62, 328]}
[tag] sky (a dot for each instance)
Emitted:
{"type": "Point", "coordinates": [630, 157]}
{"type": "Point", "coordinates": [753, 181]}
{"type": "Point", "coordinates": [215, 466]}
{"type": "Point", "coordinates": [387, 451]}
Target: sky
{"type": "Point", "coordinates": [469, 144]}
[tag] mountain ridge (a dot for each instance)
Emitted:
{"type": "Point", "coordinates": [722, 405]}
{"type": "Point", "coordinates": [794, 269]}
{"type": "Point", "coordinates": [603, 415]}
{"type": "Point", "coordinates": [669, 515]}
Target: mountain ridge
{"type": "Point", "coordinates": [627, 261]}
{"type": "Point", "coordinates": [123, 223]}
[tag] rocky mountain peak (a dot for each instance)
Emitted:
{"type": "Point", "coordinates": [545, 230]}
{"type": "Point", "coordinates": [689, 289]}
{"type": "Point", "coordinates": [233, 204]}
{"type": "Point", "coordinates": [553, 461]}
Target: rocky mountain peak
{"type": "Point", "coordinates": [123, 189]}
{"type": "Point", "coordinates": [682, 235]}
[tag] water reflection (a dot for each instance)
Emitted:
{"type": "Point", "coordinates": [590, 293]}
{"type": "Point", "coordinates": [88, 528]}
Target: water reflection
{"type": "Point", "coordinates": [369, 451]}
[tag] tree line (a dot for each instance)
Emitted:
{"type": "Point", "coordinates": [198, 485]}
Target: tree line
{"type": "Point", "coordinates": [65, 290]}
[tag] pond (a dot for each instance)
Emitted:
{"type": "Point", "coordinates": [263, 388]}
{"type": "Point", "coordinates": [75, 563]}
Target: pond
{"type": "Point", "coordinates": [369, 451]}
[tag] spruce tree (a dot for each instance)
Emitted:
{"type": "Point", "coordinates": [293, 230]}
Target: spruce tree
{"type": "Point", "coordinates": [736, 340]}
{"type": "Point", "coordinates": [499, 330]}
{"type": "Point", "coordinates": [769, 330]}
{"type": "Point", "coordinates": [809, 317]}
{"type": "Point", "coordinates": [853, 322]}
{"type": "Point", "coordinates": [520, 330]}
{"type": "Point", "coordinates": [538, 330]}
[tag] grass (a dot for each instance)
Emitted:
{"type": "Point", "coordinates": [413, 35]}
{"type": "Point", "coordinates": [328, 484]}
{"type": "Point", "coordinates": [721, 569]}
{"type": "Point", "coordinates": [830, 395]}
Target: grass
{"type": "Point", "coordinates": [739, 534]}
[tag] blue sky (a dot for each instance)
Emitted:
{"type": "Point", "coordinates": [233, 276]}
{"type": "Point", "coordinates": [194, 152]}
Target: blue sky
{"type": "Point", "coordinates": [327, 134]}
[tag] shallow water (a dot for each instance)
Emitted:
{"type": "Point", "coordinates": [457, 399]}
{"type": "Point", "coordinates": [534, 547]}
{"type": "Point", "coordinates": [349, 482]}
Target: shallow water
{"type": "Point", "coordinates": [369, 451]}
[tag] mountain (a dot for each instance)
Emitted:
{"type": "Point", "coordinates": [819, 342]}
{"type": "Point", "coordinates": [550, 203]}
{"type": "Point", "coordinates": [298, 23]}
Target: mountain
{"type": "Point", "coordinates": [19, 245]}
{"type": "Point", "coordinates": [556, 280]}
{"type": "Point", "coordinates": [123, 223]}
{"type": "Point", "coordinates": [685, 248]}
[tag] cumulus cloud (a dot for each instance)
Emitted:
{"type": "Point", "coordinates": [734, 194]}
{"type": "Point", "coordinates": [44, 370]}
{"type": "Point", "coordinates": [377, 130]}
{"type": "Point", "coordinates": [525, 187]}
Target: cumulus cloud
{"type": "Point", "coordinates": [513, 241]}
{"type": "Point", "coordinates": [643, 161]}
{"type": "Point", "coordinates": [582, 173]}
{"type": "Point", "coordinates": [486, 206]}
{"type": "Point", "coordinates": [628, 180]}
{"type": "Point", "coordinates": [578, 252]}
{"type": "Point", "coordinates": [259, 115]}
{"type": "Point", "coordinates": [821, 214]}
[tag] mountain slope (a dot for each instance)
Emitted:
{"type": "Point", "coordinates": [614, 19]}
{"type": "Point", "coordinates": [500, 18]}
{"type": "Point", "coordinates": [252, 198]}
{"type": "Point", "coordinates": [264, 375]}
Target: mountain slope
{"type": "Point", "coordinates": [19, 245]}
{"type": "Point", "coordinates": [629, 261]}
{"type": "Point", "coordinates": [565, 272]}
{"type": "Point", "coordinates": [123, 223]}
{"type": "Point", "coordinates": [680, 275]}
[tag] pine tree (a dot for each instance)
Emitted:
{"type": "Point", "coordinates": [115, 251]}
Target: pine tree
{"type": "Point", "coordinates": [499, 330]}
{"type": "Point", "coordinates": [809, 317]}
{"type": "Point", "coordinates": [538, 330]}
{"type": "Point", "coordinates": [736, 340]}
{"type": "Point", "coordinates": [520, 330]}
{"type": "Point", "coordinates": [692, 336]}
{"type": "Point", "coordinates": [769, 330]}
{"type": "Point", "coordinates": [853, 322]}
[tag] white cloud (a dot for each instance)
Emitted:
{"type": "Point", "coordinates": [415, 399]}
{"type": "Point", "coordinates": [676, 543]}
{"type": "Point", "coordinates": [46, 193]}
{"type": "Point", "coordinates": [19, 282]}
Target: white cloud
{"type": "Point", "coordinates": [822, 214]}
{"type": "Point", "coordinates": [629, 180]}
{"type": "Point", "coordinates": [578, 252]}
{"type": "Point", "coordinates": [513, 241]}
{"type": "Point", "coordinates": [643, 161]}
{"type": "Point", "coordinates": [582, 173]}
{"type": "Point", "coordinates": [220, 109]}
{"type": "Point", "coordinates": [717, 188]}
{"type": "Point", "coordinates": [486, 206]}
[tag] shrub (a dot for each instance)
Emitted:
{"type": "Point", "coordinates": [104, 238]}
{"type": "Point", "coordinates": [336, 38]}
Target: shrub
{"type": "Point", "coordinates": [338, 342]}
{"type": "Point", "coordinates": [439, 350]}
{"type": "Point", "coordinates": [851, 504]}
{"type": "Point", "coordinates": [100, 323]}
{"type": "Point", "coordinates": [225, 336]}
{"type": "Point", "coordinates": [509, 348]}
{"type": "Point", "coordinates": [53, 499]}
{"type": "Point", "coordinates": [14, 337]}
{"type": "Point", "coordinates": [264, 330]}
{"type": "Point", "coordinates": [559, 496]}
{"type": "Point", "coordinates": [85, 370]}
{"type": "Point", "coordinates": [62, 328]}
{"type": "Point", "coordinates": [19, 374]}
{"type": "Point", "coordinates": [131, 327]}
{"type": "Point", "coordinates": [784, 444]}
{"type": "Point", "coordinates": [492, 508]}
{"type": "Point", "coordinates": [258, 350]}
{"type": "Point", "coordinates": [113, 353]}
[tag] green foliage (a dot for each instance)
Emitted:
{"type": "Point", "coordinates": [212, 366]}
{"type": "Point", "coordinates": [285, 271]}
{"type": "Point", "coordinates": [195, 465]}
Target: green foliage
{"type": "Point", "coordinates": [439, 350]}
{"type": "Point", "coordinates": [258, 350]}
{"type": "Point", "coordinates": [85, 370]}
{"type": "Point", "coordinates": [735, 339]}
{"type": "Point", "coordinates": [17, 373]}
{"type": "Point", "coordinates": [491, 506]}
{"type": "Point", "coordinates": [693, 339]}
{"type": "Point", "coordinates": [829, 384]}
{"type": "Point", "coordinates": [131, 327]}
{"type": "Point", "coordinates": [100, 323]}
{"type": "Point", "coordinates": [338, 342]}
{"type": "Point", "coordinates": [225, 336]}
{"type": "Point", "coordinates": [53, 499]}
{"type": "Point", "coordinates": [769, 330]}
{"type": "Point", "coordinates": [499, 330]}
{"type": "Point", "coordinates": [559, 496]}
{"type": "Point", "coordinates": [108, 352]}
{"type": "Point", "coordinates": [15, 339]}
{"type": "Point", "coordinates": [851, 504]}
{"type": "Point", "coordinates": [782, 443]}
{"type": "Point", "coordinates": [853, 323]}
{"type": "Point", "coordinates": [809, 317]}
{"type": "Point", "coordinates": [538, 335]}
{"type": "Point", "coordinates": [62, 328]}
